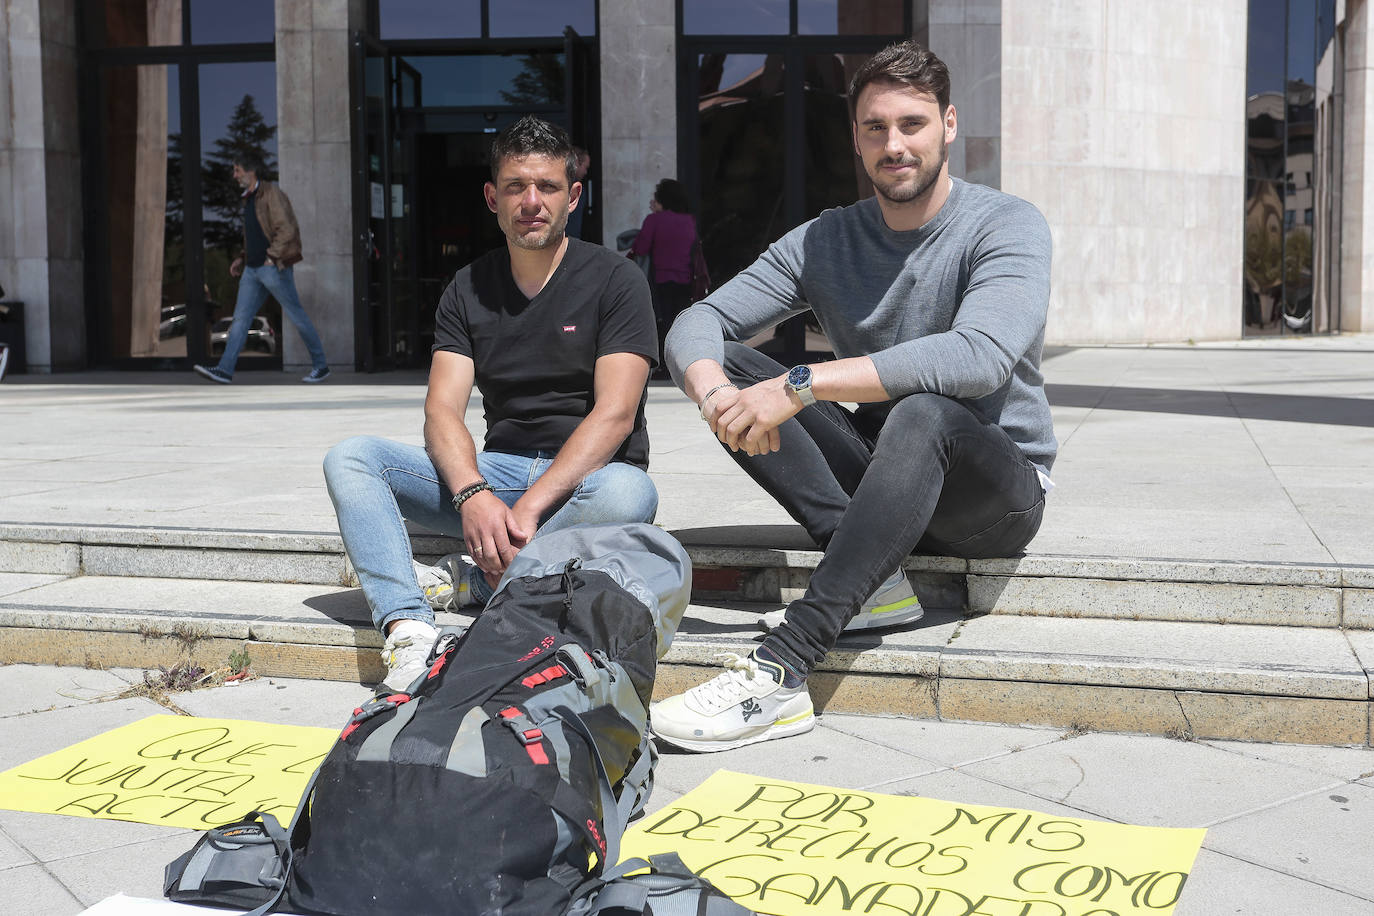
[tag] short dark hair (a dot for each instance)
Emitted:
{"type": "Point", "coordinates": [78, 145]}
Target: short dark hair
{"type": "Point", "coordinates": [531, 136]}
{"type": "Point", "coordinates": [671, 195]}
{"type": "Point", "coordinates": [250, 161]}
{"type": "Point", "coordinates": [905, 62]}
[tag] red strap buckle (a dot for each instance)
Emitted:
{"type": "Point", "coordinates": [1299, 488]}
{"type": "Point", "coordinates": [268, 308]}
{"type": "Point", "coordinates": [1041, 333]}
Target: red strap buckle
{"type": "Point", "coordinates": [543, 677]}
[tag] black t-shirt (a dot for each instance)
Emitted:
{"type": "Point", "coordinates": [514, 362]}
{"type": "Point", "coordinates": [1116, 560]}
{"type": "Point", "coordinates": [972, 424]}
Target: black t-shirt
{"type": "Point", "coordinates": [534, 358]}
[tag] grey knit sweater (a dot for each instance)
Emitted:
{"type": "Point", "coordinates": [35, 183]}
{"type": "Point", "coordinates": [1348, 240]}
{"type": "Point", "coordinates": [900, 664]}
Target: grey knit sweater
{"type": "Point", "coordinates": [956, 307]}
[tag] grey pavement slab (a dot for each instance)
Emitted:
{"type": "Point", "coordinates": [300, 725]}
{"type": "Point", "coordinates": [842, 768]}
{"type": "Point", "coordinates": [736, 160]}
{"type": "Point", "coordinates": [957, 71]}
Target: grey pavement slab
{"type": "Point", "coordinates": [138, 864]}
{"type": "Point", "coordinates": [38, 688]}
{"type": "Point", "coordinates": [1348, 763]}
{"type": "Point", "coordinates": [194, 598]}
{"type": "Point", "coordinates": [33, 891]}
{"type": "Point", "coordinates": [950, 744]}
{"type": "Point", "coordinates": [823, 756]}
{"type": "Point", "coordinates": [1221, 884]}
{"type": "Point", "coordinates": [1150, 780]}
{"type": "Point", "coordinates": [31, 735]}
{"type": "Point", "coordinates": [1234, 453]}
{"type": "Point", "coordinates": [16, 583]}
{"type": "Point", "coordinates": [12, 855]}
{"type": "Point", "coordinates": [1292, 837]}
{"type": "Point", "coordinates": [69, 863]}
{"type": "Point", "coordinates": [324, 704]}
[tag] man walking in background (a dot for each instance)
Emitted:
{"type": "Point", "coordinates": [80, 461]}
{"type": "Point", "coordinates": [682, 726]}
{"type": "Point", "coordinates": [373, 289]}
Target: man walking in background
{"type": "Point", "coordinates": [271, 246]}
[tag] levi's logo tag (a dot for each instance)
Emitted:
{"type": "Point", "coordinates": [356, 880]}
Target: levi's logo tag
{"type": "Point", "coordinates": [569, 328]}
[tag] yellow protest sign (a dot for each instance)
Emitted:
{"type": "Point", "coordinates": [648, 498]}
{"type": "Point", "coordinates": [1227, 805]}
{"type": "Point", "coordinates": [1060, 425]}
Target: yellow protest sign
{"type": "Point", "coordinates": [173, 770]}
{"type": "Point", "coordinates": [792, 849]}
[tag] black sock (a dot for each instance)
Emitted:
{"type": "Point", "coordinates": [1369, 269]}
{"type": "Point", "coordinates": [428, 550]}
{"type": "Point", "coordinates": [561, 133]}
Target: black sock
{"type": "Point", "coordinates": [790, 676]}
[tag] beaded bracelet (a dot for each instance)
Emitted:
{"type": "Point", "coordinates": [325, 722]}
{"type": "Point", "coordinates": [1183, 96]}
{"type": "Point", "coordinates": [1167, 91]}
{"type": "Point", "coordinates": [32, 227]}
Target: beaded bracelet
{"type": "Point", "coordinates": [468, 493]}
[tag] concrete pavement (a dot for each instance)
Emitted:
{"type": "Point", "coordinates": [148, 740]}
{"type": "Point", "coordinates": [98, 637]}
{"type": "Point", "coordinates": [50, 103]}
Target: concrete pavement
{"type": "Point", "coordinates": [1287, 824]}
{"type": "Point", "coordinates": [1207, 544]}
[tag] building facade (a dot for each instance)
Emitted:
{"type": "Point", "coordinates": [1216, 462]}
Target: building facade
{"type": "Point", "coordinates": [1201, 164]}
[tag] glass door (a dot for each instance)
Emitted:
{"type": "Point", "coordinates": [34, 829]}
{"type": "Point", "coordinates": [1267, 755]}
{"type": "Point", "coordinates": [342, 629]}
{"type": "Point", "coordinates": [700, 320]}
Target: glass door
{"type": "Point", "coordinates": [769, 146]}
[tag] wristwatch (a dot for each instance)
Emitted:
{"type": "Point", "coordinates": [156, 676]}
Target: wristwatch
{"type": "Point", "coordinates": [799, 380]}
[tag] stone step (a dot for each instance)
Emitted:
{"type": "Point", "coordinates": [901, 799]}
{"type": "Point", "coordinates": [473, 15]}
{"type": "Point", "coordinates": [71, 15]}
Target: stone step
{"type": "Point", "coordinates": [769, 564]}
{"type": "Point", "coordinates": [1187, 679]}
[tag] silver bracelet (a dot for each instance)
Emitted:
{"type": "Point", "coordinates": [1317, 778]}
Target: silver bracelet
{"type": "Point", "coordinates": [702, 409]}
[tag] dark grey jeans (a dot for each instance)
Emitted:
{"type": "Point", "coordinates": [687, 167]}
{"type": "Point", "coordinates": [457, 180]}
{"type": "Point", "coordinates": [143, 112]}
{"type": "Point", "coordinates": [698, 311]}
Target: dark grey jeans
{"type": "Point", "coordinates": [871, 486]}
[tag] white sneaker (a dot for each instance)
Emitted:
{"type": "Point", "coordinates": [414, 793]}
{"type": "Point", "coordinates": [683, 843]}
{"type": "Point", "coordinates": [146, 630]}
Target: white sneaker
{"type": "Point", "coordinates": [893, 604]}
{"type": "Point", "coordinates": [745, 705]}
{"type": "Point", "coordinates": [437, 582]}
{"type": "Point", "coordinates": [405, 652]}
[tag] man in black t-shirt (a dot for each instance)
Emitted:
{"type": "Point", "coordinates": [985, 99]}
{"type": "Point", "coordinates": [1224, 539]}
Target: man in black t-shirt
{"type": "Point", "coordinates": [559, 335]}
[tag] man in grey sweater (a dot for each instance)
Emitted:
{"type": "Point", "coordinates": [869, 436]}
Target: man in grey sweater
{"type": "Point", "coordinates": [933, 294]}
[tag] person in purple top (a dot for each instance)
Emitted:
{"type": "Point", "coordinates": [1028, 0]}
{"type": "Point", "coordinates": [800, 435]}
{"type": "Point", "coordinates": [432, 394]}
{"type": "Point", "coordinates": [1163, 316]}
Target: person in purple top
{"type": "Point", "coordinates": [667, 236]}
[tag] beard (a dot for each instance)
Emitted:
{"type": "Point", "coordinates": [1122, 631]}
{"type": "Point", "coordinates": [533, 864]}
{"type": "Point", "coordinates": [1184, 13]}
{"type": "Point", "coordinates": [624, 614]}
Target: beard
{"type": "Point", "coordinates": [918, 186]}
{"type": "Point", "coordinates": [551, 234]}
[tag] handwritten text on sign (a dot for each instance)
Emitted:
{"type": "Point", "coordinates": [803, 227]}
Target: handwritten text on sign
{"type": "Point", "coordinates": [173, 770]}
{"type": "Point", "coordinates": [793, 849]}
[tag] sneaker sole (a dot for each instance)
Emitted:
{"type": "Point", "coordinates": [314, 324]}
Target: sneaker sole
{"type": "Point", "coordinates": [798, 725]}
{"type": "Point", "coordinates": [893, 615]}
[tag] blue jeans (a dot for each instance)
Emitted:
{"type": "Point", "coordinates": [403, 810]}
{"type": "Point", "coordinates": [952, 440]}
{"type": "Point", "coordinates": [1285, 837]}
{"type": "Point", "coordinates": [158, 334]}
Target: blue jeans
{"type": "Point", "coordinates": [376, 484]}
{"type": "Point", "coordinates": [254, 286]}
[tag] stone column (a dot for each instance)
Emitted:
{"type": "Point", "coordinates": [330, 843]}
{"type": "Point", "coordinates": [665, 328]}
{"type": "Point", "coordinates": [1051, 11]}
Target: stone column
{"type": "Point", "coordinates": [1357, 191]}
{"type": "Point", "coordinates": [638, 108]}
{"type": "Point", "coordinates": [40, 179]}
{"type": "Point", "coordinates": [1125, 123]}
{"type": "Point", "coordinates": [314, 152]}
{"type": "Point", "coordinates": [967, 36]}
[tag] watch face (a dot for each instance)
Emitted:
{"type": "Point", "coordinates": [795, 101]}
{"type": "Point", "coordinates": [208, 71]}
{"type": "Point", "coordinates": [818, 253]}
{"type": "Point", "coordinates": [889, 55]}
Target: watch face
{"type": "Point", "coordinates": [799, 376]}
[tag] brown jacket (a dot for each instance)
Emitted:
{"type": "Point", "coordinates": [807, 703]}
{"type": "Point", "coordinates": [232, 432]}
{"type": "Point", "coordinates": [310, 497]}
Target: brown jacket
{"type": "Point", "coordinates": [278, 222]}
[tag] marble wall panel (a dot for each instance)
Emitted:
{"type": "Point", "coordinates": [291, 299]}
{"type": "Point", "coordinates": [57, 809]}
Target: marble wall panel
{"type": "Point", "coordinates": [638, 105]}
{"type": "Point", "coordinates": [6, 111]}
{"type": "Point", "coordinates": [295, 87]}
{"type": "Point", "coordinates": [329, 66]}
{"type": "Point", "coordinates": [331, 205]}
{"type": "Point", "coordinates": [26, 92]}
{"type": "Point", "coordinates": [1144, 121]}
{"type": "Point", "coordinates": [29, 187]}
{"type": "Point", "coordinates": [293, 15]}
{"type": "Point", "coordinates": [23, 18]}
{"type": "Point", "coordinates": [31, 277]}
{"type": "Point", "coordinates": [330, 14]}
{"type": "Point", "coordinates": [7, 220]}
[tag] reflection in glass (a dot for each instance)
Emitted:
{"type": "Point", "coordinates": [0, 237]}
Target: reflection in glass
{"type": "Point", "coordinates": [451, 80]}
{"type": "Point", "coordinates": [851, 17]}
{"type": "Point", "coordinates": [134, 23]}
{"type": "Point", "coordinates": [1292, 168]}
{"type": "Point", "coordinates": [146, 224]}
{"type": "Point", "coordinates": [428, 19]}
{"type": "Point", "coordinates": [238, 114]}
{"type": "Point", "coordinates": [734, 17]}
{"type": "Point", "coordinates": [217, 22]}
{"type": "Point", "coordinates": [834, 175]}
{"type": "Point", "coordinates": [1326, 174]}
{"type": "Point", "coordinates": [535, 18]}
{"type": "Point", "coordinates": [742, 157]}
